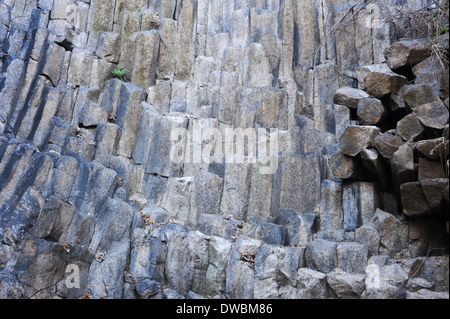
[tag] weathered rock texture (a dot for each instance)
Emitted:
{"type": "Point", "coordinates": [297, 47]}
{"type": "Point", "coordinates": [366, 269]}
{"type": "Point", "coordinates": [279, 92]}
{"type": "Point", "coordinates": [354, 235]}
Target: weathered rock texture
{"type": "Point", "coordinates": [86, 177]}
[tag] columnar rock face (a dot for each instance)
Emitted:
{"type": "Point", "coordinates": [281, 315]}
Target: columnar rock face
{"type": "Point", "coordinates": [250, 149]}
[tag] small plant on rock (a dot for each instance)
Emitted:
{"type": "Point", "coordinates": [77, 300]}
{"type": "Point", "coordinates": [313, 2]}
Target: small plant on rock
{"type": "Point", "coordinates": [119, 72]}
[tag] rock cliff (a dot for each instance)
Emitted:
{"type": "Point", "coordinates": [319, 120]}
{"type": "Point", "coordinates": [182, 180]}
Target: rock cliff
{"type": "Point", "coordinates": [224, 149]}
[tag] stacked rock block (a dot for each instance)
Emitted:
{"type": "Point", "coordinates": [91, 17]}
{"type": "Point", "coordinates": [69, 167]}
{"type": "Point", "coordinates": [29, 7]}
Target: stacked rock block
{"type": "Point", "coordinates": [86, 176]}
{"type": "Point", "coordinates": [400, 134]}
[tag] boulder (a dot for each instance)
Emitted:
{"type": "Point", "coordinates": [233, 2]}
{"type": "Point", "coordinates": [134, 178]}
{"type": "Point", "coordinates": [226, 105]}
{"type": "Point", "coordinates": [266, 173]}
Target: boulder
{"type": "Point", "coordinates": [320, 255]}
{"type": "Point", "coordinates": [384, 282]}
{"type": "Point", "coordinates": [357, 137]}
{"type": "Point", "coordinates": [430, 169]}
{"type": "Point", "coordinates": [346, 286]}
{"type": "Point", "coordinates": [370, 111]}
{"type": "Point", "coordinates": [368, 235]}
{"type": "Point", "coordinates": [433, 190]}
{"type": "Point", "coordinates": [352, 257]}
{"type": "Point", "coordinates": [396, 104]}
{"type": "Point", "coordinates": [409, 127]}
{"type": "Point", "coordinates": [429, 65]}
{"type": "Point", "coordinates": [433, 115]}
{"type": "Point", "coordinates": [388, 144]}
{"type": "Point", "coordinates": [392, 231]}
{"type": "Point", "coordinates": [407, 52]}
{"type": "Point", "coordinates": [380, 84]}
{"type": "Point", "coordinates": [402, 165]}
{"type": "Point", "coordinates": [311, 284]}
{"type": "Point", "coordinates": [419, 94]}
{"type": "Point", "coordinates": [349, 97]}
{"type": "Point", "coordinates": [438, 80]}
{"type": "Point", "coordinates": [433, 149]}
{"type": "Point", "coordinates": [363, 71]}
{"type": "Point", "coordinates": [436, 269]}
{"type": "Point", "coordinates": [345, 167]}
{"type": "Point", "coordinates": [413, 199]}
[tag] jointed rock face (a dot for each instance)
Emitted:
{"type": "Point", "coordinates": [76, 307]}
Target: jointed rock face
{"type": "Point", "coordinates": [221, 149]}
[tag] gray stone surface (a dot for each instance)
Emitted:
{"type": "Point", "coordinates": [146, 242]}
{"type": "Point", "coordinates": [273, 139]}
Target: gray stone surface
{"type": "Point", "coordinates": [107, 46]}
{"type": "Point", "coordinates": [392, 231]}
{"type": "Point", "coordinates": [311, 284]}
{"type": "Point", "coordinates": [351, 257]}
{"type": "Point", "coordinates": [360, 201]}
{"type": "Point", "coordinates": [145, 59]}
{"type": "Point", "coordinates": [93, 176]}
{"type": "Point", "coordinates": [320, 255]}
{"type": "Point", "coordinates": [346, 286]}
